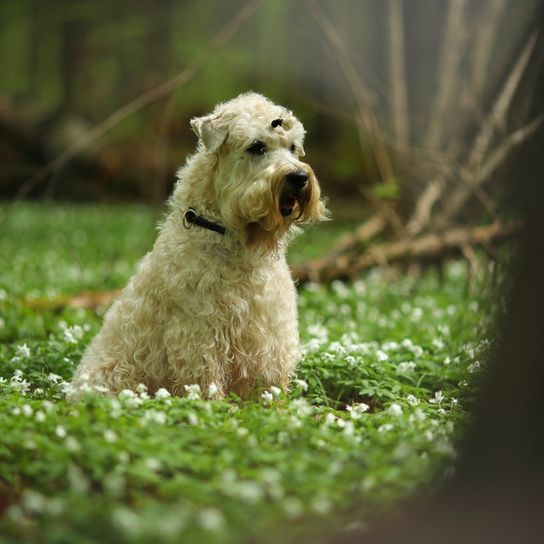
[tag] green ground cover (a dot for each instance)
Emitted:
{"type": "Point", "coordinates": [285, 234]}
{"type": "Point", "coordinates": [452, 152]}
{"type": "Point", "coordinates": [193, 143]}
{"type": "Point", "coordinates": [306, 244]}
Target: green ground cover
{"type": "Point", "coordinates": [381, 399]}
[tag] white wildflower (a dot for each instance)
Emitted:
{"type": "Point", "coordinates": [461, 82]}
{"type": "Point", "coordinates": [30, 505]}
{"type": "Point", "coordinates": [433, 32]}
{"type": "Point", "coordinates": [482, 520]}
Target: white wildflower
{"type": "Point", "coordinates": [267, 397]}
{"type": "Point", "coordinates": [211, 519]}
{"type": "Point", "coordinates": [60, 431]}
{"type": "Point", "coordinates": [385, 428]}
{"type": "Point", "coordinates": [141, 389]}
{"type": "Point", "coordinates": [249, 491]}
{"type": "Point", "coordinates": [276, 391]}
{"type": "Point", "coordinates": [412, 400]}
{"type": "Point", "coordinates": [72, 445]}
{"type": "Point", "coordinates": [417, 351]}
{"type": "Point", "coordinates": [54, 378]}
{"type": "Point", "coordinates": [34, 502]}
{"type": "Point", "coordinates": [405, 366]}
{"type": "Point", "coordinates": [438, 343]}
{"type": "Point", "coordinates": [292, 507]}
{"type": "Point", "coordinates": [110, 436]}
{"type": "Point", "coordinates": [123, 457]}
{"type": "Point", "coordinates": [476, 365]}
{"type": "Point", "coordinates": [162, 393]}
{"type": "Point", "coordinates": [356, 410]}
{"type": "Point", "coordinates": [321, 505]}
{"type": "Point", "coordinates": [330, 419]}
{"type": "Point", "coordinates": [126, 520]}
{"type": "Point", "coordinates": [340, 288]}
{"type": "Point", "coordinates": [193, 391]}
{"type": "Point", "coordinates": [23, 351]}
{"type": "Point", "coordinates": [154, 416]}
{"type": "Point", "coordinates": [349, 428]}
{"type": "Point", "coordinates": [40, 416]}
{"type": "Point", "coordinates": [73, 334]}
{"type": "Point", "coordinates": [301, 384]}
{"type": "Point", "coordinates": [438, 398]}
{"type": "Point", "coordinates": [213, 389]}
{"type": "Point", "coordinates": [418, 416]}
{"type": "Point", "coordinates": [19, 384]}
{"type": "Point", "coordinates": [192, 418]}
{"type": "Point", "coordinates": [302, 407]}
{"type": "Point", "coordinates": [395, 409]}
{"type": "Point", "coordinates": [153, 464]}
{"type": "Point", "coordinates": [27, 410]}
{"type": "Point", "coordinates": [381, 356]}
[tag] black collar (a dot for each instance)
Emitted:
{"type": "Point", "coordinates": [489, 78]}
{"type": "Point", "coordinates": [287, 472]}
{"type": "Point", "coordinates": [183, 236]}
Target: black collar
{"type": "Point", "coordinates": [190, 218]}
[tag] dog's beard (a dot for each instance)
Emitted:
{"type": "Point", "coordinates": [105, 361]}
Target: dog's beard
{"type": "Point", "coordinates": [269, 211]}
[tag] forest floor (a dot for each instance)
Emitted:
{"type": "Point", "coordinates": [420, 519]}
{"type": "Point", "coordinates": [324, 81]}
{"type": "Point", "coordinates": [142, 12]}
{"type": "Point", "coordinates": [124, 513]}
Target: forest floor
{"type": "Point", "coordinates": [377, 412]}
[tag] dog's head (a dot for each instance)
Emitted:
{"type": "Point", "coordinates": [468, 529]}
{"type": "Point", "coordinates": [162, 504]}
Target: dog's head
{"type": "Point", "coordinates": [260, 184]}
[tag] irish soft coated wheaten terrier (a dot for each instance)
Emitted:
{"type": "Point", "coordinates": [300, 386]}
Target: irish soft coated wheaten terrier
{"type": "Point", "coordinates": [213, 303]}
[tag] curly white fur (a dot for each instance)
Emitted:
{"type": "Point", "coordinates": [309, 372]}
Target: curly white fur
{"type": "Point", "coordinates": [204, 308]}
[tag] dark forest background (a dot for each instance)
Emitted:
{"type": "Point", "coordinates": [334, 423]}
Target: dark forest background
{"type": "Point", "coordinates": [66, 65]}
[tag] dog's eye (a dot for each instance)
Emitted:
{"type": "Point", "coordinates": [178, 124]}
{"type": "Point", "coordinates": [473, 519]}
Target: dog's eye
{"type": "Point", "coordinates": [257, 148]}
{"type": "Point", "coordinates": [293, 148]}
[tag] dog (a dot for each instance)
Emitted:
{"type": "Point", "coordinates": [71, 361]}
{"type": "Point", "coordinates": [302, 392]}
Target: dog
{"type": "Point", "coordinates": [213, 303]}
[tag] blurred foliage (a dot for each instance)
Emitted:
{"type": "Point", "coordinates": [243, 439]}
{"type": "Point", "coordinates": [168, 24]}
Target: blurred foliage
{"type": "Point", "coordinates": [67, 64]}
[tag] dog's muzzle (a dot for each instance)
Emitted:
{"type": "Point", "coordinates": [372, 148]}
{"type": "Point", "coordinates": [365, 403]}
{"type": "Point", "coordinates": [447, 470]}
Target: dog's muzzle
{"type": "Point", "coordinates": [294, 187]}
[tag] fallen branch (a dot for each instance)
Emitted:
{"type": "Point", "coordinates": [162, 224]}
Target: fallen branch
{"type": "Point", "coordinates": [454, 241]}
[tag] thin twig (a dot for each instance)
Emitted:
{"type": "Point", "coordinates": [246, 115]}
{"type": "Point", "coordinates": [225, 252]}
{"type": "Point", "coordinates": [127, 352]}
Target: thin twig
{"type": "Point", "coordinates": [497, 116]}
{"type": "Point", "coordinates": [366, 120]}
{"type": "Point", "coordinates": [484, 173]}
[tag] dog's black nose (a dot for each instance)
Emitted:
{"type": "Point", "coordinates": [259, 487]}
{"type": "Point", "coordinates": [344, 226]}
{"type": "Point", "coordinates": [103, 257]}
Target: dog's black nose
{"type": "Point", "coordinates": [297, 180]}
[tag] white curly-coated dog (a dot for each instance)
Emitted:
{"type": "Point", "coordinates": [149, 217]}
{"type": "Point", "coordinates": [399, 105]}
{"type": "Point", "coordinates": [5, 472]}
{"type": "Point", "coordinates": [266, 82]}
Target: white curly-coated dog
{"type": "Point", "coordinates": [213, 303]}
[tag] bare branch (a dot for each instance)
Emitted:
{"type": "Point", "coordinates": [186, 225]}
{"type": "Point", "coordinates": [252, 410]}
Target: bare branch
{"type": "Point", "coordinates": [422, 213]}
{"type": "Point", "coordinates": [428, 246]}
{"type": "Point", "coordinates": [485, 172]}
{"type": "Point", "coordinates": [497, 116]}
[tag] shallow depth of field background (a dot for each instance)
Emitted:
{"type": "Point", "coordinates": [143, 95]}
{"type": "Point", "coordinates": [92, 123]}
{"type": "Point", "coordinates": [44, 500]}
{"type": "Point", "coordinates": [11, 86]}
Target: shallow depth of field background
{"type": "Point", "coordinates": [416, 113]}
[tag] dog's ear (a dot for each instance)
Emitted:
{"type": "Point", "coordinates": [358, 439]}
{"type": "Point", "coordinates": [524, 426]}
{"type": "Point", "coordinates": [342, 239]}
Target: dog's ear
{"type": "Point", "coordinates": [211, 131]}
